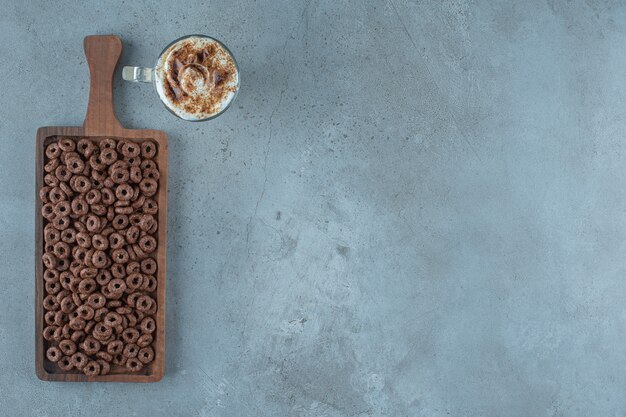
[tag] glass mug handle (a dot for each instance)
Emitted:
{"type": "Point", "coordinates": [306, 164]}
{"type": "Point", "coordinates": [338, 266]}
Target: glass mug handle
{"type": "Point", "coordinates": [138, 74]}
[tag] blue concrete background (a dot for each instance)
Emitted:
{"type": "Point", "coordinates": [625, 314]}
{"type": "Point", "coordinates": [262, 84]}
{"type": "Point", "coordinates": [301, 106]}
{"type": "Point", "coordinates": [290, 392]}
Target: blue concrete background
{"type": "Point", "coordinates": [414, 208]}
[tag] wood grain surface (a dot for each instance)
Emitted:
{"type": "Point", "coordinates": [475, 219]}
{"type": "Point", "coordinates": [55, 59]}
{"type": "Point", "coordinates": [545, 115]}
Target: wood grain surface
{"type": "Point", "coordinates": [102, 54]}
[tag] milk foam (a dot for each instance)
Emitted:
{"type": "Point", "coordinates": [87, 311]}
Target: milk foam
{"type": "Point", "coordinates": [196, 88]}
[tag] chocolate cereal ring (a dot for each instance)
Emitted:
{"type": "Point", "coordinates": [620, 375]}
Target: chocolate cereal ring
{"type": "Point", "coordinates": [84, 146]}
{"type": "Point", "coordinates": [77, 300]}
{"type": "Point", "coordinates": [100, 313]}
{"type": "Point", "coordinates": [124, 192]}
{"type": "Point", "coordinates": [96, 163]}
{"type": "Point", "coordinates": [52, 287]}
{"type": "Point", "coordinates": [107, 143]}
{"type": "Point", "coordinates": [132, 234]}
{"type": "Point", "coordinates": [148, 149]}
{"type": "Point", "coordinates": [78, 336]}
{"type": "Point", "coordinates": [96, 300]}
{"type": "Point", "coordinates": [99, 210]}
{"type": "Point", "coordinates": [132, 298]}
{"type": "Point", "coordinates": [48, 332]}
{"type": "Point", "coordinates": [67, 305]}
{"type": "Point", "coordinates": [77, 323]}
{"type": "Point", "coordinates": [108, 196]}
{"type": "Point", "coordinates": [146, 222]}
{"type": "Point", "coordinates": [113, 319]}
{"type": "Point", "coordinates": [119, 256]}
{"type": "Point", "coordinates": [149, 283]}
{"type": "Point", "coordinates": [53, 354]}
{"type": "Point", "coordinates": [148, 187]}
{"type": "Point", "coordinates": [130, 335]}
{"type": "Point", "coordinates": [51, 275]}
{"type": "Point", "coordinates": [115, 348]}
{"type": "Point", "coordinates": [62, 265]}
{"type": "Point", "coordinates": [85, 312]}
{"type": "Point", "coordinates": [119, 359]}
{"type": "Point", "coordinates": [99, 258]}
{"type": "Point", "coordinates": [151, 173]}
{"type": "Point", "coordinates": [133, 281]}
{"type": "Point", "coordinates": [120, 221]}
{"type": "Point", "coordinates": [132, 267]}
{"type": "Point", "coordinates": [116, 240]}
{"type": "Point", "coordinates": [61, 250]}
{"type": "Point", "coordinates": [108, 156]}
{"type": "Point", "coordinates": [120, 176]}
{"type": "Point", "coordinates": [51, 235]}
{"type": "Point", "coordinates": [75, 166]}
{"type": "Point", "coordinates": [103, 277]}
{"type": "Point", "coordinates": [118, 271]}
{"type": "Point", "coordinates": [145, 355]}
{"type": "Point", "coordinates": [105, 367]}
{"type": "Point", "coordinates": [147, 164]}
{"type": "Point", "coordinates": [139, 253]}
{"type": "Point", "coordinates": [135, 174]}
{"type": "Point", "coordinates": [88, 273]}
{"type": "Point", "coordinates": [131, 150]}
{"type": "Point", "coordinates": [116, 286]}
{"type": "Point", "coordinates": [68, 347]}
{"type": "Point", "coordinates": [66, 332]}
{"type": "Point", "coordinates": [47, 211]}
{"type": "Point", "coordinates": [100, 243]}
{"type": "Point", "coordinates": [66, 189]}
{"type": "Point", "coordinates": [82, 184]}
{"type": "Point", "coordinates": [87, 286]}
{"type": "Point", "coordinates": [144, 303]}
{"type": "Point", "coordinates": [60, 318]}
{"type": "Point", "coordinates": [65, 364]}
{"type": "Point", "coordinates": [92, 368]}
{"type": "Point", "coordinates": [62, 208]}
{"type": "Point", "coordinates": [50, 180]}
{"type": "Point", "coordinates": [56, 194]}
{"type": "Point", "coordinates": [123, 310]}
{"type": "Point", "coordinates": [90, 346]}
{"type": "Point", "coordinates": [147, 244]}
{"type": "Point", "coordinates": [49, 260]}
{"type": "Point", "coordinates": [93, 196]}
{"type": "Point", "coordinates": [53, 151]}
{"type": "Point", "coordinates": [105, 356]}
{"type": "Point", "coordinates": [133, 162]}
{"type": "Point", "coordinates": [62, 173]}
{"type": "Point", "coordinates": [79, 360]}
{"type": "Point", "coordinates": [148, 325]}
{"type": "Point", "coordinates": [58, 334]}
{"type": "Point", "coordinates": [150, 207]}
{"type": "Point", "coordinates": [66, 145]}
{"type": "Point", "coordinates": [123, 209]}
{"type": "Point", "coordinates": [68, 235]}
{"type": "Point", "coordinates": [101, 331]}
{"type": "Point", "coordinates": [79, 207]}
{"type": "Point", "coordinates": [131, 350]}
{"type": "Point", "coordinates": [93, 223]}
{"type": "Point", "coordinates": [51, 165]}
{"type": "Point", "coordinates": [134, 365]}
{"type": "Point", "coordinates": [61, 223]}
{"type": "Point", "coordinates": [43, 194]}
{"type": "Point", "coordinates": [49, 317]}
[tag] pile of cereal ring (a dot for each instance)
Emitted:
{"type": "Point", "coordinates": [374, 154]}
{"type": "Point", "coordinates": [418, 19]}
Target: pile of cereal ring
{"type": "Point", "coordinates": [100, 221]}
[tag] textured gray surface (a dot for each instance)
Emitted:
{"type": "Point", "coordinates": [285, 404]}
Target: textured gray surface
{"type": "Point", "coordinates": [413, 209]}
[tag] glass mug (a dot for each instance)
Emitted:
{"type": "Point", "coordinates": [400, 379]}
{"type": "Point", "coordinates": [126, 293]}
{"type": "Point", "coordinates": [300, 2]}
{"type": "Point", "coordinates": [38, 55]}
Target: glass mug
{"type": "Point", "coordinates": [196, 77]}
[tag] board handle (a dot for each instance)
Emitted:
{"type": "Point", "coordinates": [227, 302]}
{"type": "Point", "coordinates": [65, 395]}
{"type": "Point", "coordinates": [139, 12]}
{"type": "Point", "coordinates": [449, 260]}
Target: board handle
{"type": "Point", "coordinates": [102, 53]}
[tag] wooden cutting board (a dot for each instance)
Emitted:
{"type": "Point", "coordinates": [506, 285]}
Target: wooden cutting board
{"type": "Point", "coordinates": [102, 54]}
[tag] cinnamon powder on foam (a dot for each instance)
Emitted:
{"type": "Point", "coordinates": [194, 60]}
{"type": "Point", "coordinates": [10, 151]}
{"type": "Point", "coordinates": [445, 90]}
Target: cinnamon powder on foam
{"type": "Point", "coordinates": [187, 64]}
